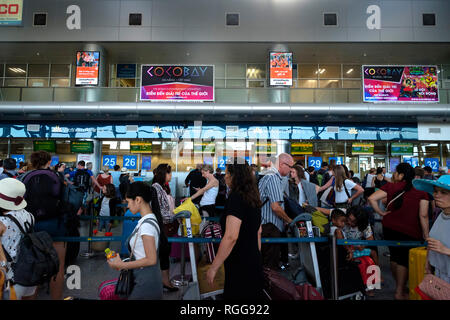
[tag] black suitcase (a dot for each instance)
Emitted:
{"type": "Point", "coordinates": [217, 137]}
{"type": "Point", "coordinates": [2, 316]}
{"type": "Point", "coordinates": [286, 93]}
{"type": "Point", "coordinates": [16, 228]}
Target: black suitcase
{"type": "Point", "coordinates": [349, 276]}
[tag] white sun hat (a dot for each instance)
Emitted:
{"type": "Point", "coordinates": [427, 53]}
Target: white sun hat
{"type": "Point", "coordinates": [12, 193]}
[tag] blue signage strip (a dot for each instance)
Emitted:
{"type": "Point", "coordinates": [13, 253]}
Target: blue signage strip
{"type": "Point", "coordinates": [130, 162]}
{"type": "Point", "coordinates": [108, 131]}
{"type": "Point", "coordinates": [109, 161]}
{"type": "Point", "coordinates": [19, 158]}
{"type": "Point", "coordinates": [433, 163]}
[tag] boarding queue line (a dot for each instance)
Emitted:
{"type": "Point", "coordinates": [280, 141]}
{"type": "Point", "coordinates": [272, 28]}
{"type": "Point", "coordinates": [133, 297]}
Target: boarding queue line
{"type": "Point", "coordinates": [306, 245]}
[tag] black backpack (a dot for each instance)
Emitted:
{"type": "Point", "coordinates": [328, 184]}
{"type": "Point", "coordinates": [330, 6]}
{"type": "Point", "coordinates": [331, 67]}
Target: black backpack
{"type": "Point", "coordinates": [40, 201]}
{"type": "Point", "coordinates": [37, 261]}
{"type": "Point", "coordinates": [82, 180]}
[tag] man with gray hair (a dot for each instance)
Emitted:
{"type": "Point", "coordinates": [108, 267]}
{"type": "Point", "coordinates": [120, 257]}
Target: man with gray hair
{"type": "Point", "coordinates": [273, 216]}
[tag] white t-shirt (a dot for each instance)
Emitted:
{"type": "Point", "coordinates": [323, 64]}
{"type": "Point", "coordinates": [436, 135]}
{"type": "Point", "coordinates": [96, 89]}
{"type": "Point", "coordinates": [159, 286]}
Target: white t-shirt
{"type": "Point", "coordinates": [104, 211]}
{"type": "Point", "coordinates": [370, 177]}
{"type": "Point", "coordinates": [306, 175]}
{"type": "Point", "coordinates": [12, 236]}
{"type": "Point", "coordinates": [146, 229]}
{"type": "Point", "coordinates": [341, 196]}
{"type": "Point", "coordinates": [301, 194]}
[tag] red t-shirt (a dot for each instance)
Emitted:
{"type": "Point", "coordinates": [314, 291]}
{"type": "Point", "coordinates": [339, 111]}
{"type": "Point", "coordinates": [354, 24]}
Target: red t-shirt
{"type": "Point", "coordinates": [102, 181]}
{"type": "Point", "coordinates": [406, 219]}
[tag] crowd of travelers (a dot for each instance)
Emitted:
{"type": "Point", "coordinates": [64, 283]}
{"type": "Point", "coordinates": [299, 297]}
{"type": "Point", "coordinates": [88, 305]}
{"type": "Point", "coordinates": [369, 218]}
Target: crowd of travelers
{"type": "Point", "coordinates": [412, 204]}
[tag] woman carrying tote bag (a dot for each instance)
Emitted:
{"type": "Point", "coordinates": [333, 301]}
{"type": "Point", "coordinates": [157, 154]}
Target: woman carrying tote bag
{"type": "Point", "coordinates": [143, 244]}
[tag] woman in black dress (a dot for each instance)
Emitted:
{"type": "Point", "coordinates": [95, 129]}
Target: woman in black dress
{"type": "Point", "coordinates": [240, 248]}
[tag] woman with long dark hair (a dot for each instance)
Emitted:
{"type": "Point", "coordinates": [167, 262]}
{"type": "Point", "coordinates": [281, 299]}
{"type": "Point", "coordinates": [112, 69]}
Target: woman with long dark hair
{"type": "Point", "coordinates": [144, 243]}
{"type": "Point", "coordinates": [405, 219]}
{"type": "Point", "coordinates": [163, 175]}
{"type": "Point", "coordinates": [240, 248]}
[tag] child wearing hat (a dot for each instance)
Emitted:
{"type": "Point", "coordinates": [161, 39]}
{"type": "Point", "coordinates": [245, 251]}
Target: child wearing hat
{"type": "Point", "coordinates": [12, 203]}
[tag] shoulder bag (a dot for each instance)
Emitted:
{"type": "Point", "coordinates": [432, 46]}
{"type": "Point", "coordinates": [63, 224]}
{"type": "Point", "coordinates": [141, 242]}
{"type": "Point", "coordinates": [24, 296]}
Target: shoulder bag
{"type": "Point", "coordinates": [126, 283]}
{"type": "Point", "coordinates": [435, 288]}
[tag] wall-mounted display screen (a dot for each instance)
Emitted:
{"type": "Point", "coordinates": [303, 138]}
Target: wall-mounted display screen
{"type": "Point", "coordinates": [87, 70]}
{"type": "Point", "coordinates": [177, 82]}
{"type": "Point", "coordinates": [281, 69]}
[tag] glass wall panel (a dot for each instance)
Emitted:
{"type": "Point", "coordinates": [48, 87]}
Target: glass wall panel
{"type": "Point", "coordinates": [307, 71]}
{"type": "Point", "coordinates": [351, 84]}
{"type": "Point", "coordinates": [351, 71]}
{"type": "Point", "coordinates": [15, 82]}
{"type": "Point", "coordinates": [38, 82]}
{"type": "Point", "coordinates": [327, 71]}
{"type": "Point", "coordinates": [237, 71]}
{"type": "Point", "coordinates": [60, 70]}
{"type": "Point", "coordinates": [256, 71]}
{"type": "Point", "coordinates": [307, 83]}
{"type": "Point", "coordinates": [332, 83]}
{"type": "Point", "coordinates": [60, 82]}
{"type": "Point", "coordinates": [219, 70]}
{"type": "Point", "coordinates": [38, 70]}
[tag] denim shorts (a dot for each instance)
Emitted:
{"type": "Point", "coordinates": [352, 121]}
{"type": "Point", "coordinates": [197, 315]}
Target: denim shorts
{"type": "Point", "coordinates": [55, 227]}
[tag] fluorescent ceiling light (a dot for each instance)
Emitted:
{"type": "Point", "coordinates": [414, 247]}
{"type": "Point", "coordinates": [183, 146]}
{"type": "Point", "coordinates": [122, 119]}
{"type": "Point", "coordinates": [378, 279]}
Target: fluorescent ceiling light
{"type": "Point", "coordinates": [350, 71]}
{"type": "Point", "coordinates": [17, 70]}
{"type": "Point", "coordinates": [125, 145]}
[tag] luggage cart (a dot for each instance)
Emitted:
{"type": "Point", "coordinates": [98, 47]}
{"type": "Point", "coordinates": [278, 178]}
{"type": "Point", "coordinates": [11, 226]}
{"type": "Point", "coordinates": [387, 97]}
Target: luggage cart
{"type": "Point", "coordinates": [307, 251]}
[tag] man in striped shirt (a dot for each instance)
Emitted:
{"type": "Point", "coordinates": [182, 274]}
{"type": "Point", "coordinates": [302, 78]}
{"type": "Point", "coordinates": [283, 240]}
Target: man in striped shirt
{"type": "Point", "coordinates": [273, 216]}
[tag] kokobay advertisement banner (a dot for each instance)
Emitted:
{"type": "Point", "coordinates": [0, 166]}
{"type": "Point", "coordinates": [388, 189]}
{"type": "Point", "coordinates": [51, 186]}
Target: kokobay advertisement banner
{"type": "Point", "coordinates": [177, 82]}
{"type": "Point", "coordinates": [400, 84]}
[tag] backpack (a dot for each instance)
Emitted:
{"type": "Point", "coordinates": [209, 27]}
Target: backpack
{"type": "Point", "coordinates": [82, 180]}
{"type": "Point", "coordinates": [37, 261]}
{"type": "Point", "coordinates": [9, 174]}
{"type": "Point", "coordinates": [320, 179]}
{"type": "Point", "coordinates": [40, 202]}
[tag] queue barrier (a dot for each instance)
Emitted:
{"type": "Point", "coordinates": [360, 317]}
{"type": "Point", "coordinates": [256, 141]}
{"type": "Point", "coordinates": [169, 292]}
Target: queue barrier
{"type": "Point", "coordinates": [195, 294]}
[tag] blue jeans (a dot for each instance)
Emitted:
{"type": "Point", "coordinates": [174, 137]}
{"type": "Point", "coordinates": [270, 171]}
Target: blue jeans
{"type": "Point", "coordinates": [104, 224]}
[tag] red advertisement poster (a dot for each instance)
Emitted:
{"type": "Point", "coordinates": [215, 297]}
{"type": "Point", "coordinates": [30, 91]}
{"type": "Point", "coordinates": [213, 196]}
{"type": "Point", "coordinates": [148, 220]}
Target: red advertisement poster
{"type": "Point", "coordinates": [87, 68]}
{"type": "Point", "coordinates": [281, 69]}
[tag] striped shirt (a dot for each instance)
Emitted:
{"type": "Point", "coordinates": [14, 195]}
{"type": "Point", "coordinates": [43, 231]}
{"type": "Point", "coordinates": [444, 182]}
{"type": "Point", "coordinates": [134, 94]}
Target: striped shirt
{"type": "Point", "coordinates": [270, 187]}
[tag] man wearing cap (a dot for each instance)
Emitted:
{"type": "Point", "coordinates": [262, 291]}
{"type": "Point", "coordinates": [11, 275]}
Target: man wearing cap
{"type": "Point", "coordinates": [12, 203]}
{"type": "Point", "coordinates": [9, 169]}
{"type": "Point", "coordinates": [438, 254]}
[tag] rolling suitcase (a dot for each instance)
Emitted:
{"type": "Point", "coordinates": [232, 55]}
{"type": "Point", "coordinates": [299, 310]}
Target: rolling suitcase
{"type": "Point", "coordinates": [364, 262]}
{"type": "Point", "coordinates": [417, 261]}
{"type": "Point", "coordinates": [278, 287]}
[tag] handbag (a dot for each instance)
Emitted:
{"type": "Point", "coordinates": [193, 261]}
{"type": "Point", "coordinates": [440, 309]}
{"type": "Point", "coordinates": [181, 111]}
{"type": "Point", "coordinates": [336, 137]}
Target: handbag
{"type": "Point", "coordinates": [6, 287]}
{"type": "Point", "coordinates": [435, 288]}
{"type": "Point", "coordinates": [125, 283]}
